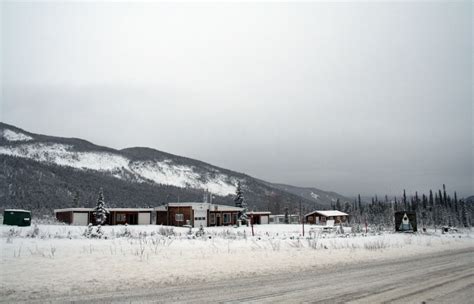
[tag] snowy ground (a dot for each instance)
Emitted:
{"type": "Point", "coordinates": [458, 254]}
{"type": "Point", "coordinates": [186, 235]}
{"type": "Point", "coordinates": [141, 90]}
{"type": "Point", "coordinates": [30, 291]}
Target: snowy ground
{"type": "Point", "coordinates": [58, 260]}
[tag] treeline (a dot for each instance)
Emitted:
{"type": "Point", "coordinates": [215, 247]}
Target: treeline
{"type": "Point", "coordinates": [432, 209]}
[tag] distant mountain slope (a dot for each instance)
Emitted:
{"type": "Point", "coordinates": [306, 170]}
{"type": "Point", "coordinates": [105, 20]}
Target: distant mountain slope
{"type": "Point", "coordinates": [318, 196]}
{"type": "Point", "coordinates": [44, 172]}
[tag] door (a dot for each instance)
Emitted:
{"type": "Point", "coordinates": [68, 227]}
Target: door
{"type": "Point", "coordinates": [132, 218]}
{"type": "Point", "coordinates": [200, 217]}
{"type": "Point", "coordinates": [144, 218]}
{"type": "Point", "coordinates": [264, 219]}
{"type": "Point", "coordinates": [80, 219]}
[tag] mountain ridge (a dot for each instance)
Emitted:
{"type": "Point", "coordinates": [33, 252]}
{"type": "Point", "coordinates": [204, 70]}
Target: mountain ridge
{"type": "Point", "coordinates": [72, 163]}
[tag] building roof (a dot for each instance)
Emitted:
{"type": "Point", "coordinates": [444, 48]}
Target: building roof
{"type": "Point", "coordinates": [215, 207]}
{"type": "Point", "coordinates": [17, 210]}
{"type": "Point", "coordinates": [199, 205]}
{"type": "Point", "coordinates": [109, 209]}
{"type": "Point", "coordinates": [259, 212]}
{"type": "Point", "coordinates": [328, 213]}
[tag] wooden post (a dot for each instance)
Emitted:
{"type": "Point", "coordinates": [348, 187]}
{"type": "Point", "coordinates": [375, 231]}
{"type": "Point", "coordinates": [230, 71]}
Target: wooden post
{"type": "Point", "coordinates": [251, 224]}
{"type": "Point", "coordinates": [303, 225]}
{"type": "Point", "coordinates": [302, 218]}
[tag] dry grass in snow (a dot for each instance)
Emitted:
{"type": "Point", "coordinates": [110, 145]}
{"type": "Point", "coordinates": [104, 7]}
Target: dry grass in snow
{"type": "Point", "coordinates": [59, 260]}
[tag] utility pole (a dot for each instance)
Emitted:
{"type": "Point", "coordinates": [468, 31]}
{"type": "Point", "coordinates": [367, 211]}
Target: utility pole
{"type": "Point", "coordinates": [302, 219]}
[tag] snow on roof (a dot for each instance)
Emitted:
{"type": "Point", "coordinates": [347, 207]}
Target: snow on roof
{"type": "Point", "coordinates": [215, 207]}
{"type": "Point", "coordinates": [196, 205]}
{"type": "Point", "coordinates": [259, 212]}
{"type": "Point", "coordinates": [72, 209]}
{"type": "Point", "coordinates": [328, 213]}
{"type": "Point", "coordinates": [160, 208]}
{"type": "Point", "coordinates": [17, 210]}
{"type": "Point", "coordinates": [109, 209]}
{"type": "Point", "coordinates": [131, 209]}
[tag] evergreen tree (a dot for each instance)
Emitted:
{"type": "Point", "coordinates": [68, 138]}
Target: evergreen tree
{"type": "Point", "coordinates": [239, 197]}
{"type": "Point", "coordinates": [359, 204]}
{"type": "Point", "coordinates": [444, 194]}
{"type": "Point", "coordinates": [100, 211]}
{"type": "Point", "coordinates": [287, 218]}
{"type": "Point", "coordinates": [464, 214]}
{"type": "Point", "coordinates": [433, 209]}
{"type": "Point", "coordinates": [240, 202]}
{"type": "Point", "coordinates": [405, 207]}
{"type": "Point", "coordinates": [347, 207]}
{"type": "Point", "coordinates": [75, 200]}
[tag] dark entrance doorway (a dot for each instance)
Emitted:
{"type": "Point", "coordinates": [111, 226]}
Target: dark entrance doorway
{"type": "Point", "coordinates": [132, 218]}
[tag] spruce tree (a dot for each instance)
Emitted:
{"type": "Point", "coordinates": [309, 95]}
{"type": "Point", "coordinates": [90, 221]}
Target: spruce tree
{"type": "Point", "coordinates": [404, 201]}
{"type": "Point", "coordinates": [75, 200]}
{"type": "Point", "coordinates": [464, 214]}
{"type": "Point", "coordinates": [100, 211]}
{"type": "Point", "coordinates": [239, 197]}
{"type": "Point", "coordinates": [240, 202]}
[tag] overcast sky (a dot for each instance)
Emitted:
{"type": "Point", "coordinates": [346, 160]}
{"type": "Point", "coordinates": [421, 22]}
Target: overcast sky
{"type": "Point", "coordinates": [357, 98]}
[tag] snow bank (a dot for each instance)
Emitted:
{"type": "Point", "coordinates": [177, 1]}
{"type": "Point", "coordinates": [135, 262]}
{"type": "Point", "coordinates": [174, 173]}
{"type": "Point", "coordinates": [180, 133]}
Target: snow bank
{"type": "Point", "coordinates": [58, 260]}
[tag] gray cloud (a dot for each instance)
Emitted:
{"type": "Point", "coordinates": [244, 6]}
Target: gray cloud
{"type": "Point", "coordinates": [361, 97]}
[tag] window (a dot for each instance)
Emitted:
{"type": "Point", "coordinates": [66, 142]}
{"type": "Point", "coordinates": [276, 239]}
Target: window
{"type": "Point", "coordinates": [212, 220]}
{"type": "Point", "coordinates": [120, 217]}
{"type": "Point", "coordinates": [234, 217]}
{"type": "Point", "coordinates": [310, 218]}
{"type": "Point", "coordinates": [227, 218]}
{"type": "Point", "coordinates": [179, 217]}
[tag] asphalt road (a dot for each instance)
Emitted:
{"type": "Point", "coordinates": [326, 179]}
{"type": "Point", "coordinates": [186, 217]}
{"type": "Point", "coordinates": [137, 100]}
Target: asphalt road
{"type": "Point", "coordinates": [446, 277]}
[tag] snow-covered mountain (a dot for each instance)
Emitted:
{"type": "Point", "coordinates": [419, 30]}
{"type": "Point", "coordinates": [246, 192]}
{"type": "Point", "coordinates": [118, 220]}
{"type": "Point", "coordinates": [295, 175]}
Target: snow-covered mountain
{"type": "Point", "coordinates": [166, 172]}
{"type": "Point", "coordinates": [120, 164]}
{"type": "Point", "coordinates": [76, 162]}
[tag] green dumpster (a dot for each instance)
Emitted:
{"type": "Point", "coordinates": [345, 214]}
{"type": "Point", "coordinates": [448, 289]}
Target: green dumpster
{"type": "Point", "coordinates": [17, 217]}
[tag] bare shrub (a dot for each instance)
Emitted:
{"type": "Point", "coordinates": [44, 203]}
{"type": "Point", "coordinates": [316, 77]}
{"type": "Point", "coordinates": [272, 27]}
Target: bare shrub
{"type": "Point", "coordinates": [376, 245]}
{"type": "Point", "coordinates": [166, 231]}
{"type": "Point", "coordinates": [275, 245]}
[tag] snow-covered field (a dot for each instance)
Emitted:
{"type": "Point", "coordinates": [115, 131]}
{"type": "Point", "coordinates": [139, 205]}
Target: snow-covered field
{"type": "Point", "coordinates": [57, 260]}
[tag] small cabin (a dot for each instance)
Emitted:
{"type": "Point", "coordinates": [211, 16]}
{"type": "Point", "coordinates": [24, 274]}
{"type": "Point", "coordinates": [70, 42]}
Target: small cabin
{"type": "Point", "coordinates": [325, 217]}
{"type": "Point", "coordinates": [405, 221]}
{"type": "Point", "coordinates": [17, 217]}
{"type": "Point", "coordinates": [116, 216]}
